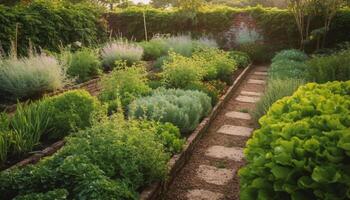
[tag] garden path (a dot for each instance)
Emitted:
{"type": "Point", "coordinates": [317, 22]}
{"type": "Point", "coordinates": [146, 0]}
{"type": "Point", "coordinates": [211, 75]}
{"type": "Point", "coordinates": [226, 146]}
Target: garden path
{"type": "Point", "coordinates": [211, 172]}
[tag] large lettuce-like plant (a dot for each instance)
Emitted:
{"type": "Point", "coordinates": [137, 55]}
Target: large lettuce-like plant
{"type": "Point", "coordinates": [302, 149]}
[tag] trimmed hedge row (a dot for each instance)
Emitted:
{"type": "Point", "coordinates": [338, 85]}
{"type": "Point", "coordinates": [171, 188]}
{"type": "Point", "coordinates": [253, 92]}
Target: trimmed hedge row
{"type": "Point", "coordinates": [278, 26]}
{"type": "Point", "coordinates": [50, 25]}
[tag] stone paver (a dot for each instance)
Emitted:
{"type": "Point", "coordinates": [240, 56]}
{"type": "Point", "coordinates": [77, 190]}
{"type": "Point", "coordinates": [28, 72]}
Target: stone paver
{"type": "Point", "coordinates": [221, 152]}
{"type": "Point", "coordinates": [215, 175]}
{"type": "Point", "coordinates": [260, 73]}
{"type": "Point", "coordinates": [236, 130]}
{"type": "Point", "coordinates": [247, 99]}
{"type": "Point", "coordinates": [251, 93]}
{"type": "Point", "coordinates": [255, 81]}
{"type": "Point", "coordinates": [203, 195]}
{"type": "Point", "coordinates": [238, 115]}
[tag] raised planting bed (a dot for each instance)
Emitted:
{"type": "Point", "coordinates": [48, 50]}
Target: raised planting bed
{"type": "Point", "coordinates": [177, 162]}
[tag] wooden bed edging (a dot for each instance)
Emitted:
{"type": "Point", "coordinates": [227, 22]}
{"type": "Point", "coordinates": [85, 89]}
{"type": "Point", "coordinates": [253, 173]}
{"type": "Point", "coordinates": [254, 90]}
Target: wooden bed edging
{"type": "Point", "coordinates": [177, 162]}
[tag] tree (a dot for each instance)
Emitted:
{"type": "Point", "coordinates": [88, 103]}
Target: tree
{"type": "Point", "coordinates": [183, 4]}
{"type": "Point", "coordinates": [305, 10]}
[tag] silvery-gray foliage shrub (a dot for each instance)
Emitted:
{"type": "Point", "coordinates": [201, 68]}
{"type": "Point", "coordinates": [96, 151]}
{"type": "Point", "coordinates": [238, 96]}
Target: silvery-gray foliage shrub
{"type": "Point", "coordinates": [120, 51]}
{"type": "Point", "coordinates": [183, 108]}
{"type": "Point", "coordinates": [27, 77]}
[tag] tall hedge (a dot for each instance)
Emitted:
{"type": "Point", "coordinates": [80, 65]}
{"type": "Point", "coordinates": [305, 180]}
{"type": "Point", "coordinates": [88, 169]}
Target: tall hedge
{"type": "Point", "coordinates": [278, 26]}
{"type": "Point", "coordinates": [49, 25]}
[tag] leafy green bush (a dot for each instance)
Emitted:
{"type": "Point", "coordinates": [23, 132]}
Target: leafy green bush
{"type": "Point", "coordinates": [284, 69]}
{"type": "Point", "coordinates": [154, 48]}
{"type": "Point", "coordinates": [217, 64]}
{"type": "Point", "coordinates": [4, 136]}
{"type": "Point", "coordinates": [159, 63]}
{"type": "Point", "coordinates": [260, 53]}
{"type": "Point", "coordinates": [276, 89]}
{"type": "Point", "coordinates": [335, 67]}
{"type": "Point", "coordinates": [71, 111]}
{"type": "Point", "coordinates": [120, 51]}
{"type": "Point", "coordinates": [27, 77]}
{"type": "Point", "coordinates": [183, 108]}
{"type": "Point", "coordinates": [302, 148]}
{"type": "Point", "coordinates": [58, 194]}
{"type": "Point", "coordinates": [123, 85]}
{"type": "Point", "coordinates": [112, 160]}
{"type": "Point", "coordinates": [84, 65]}
{"type": "Point", "coordinates": [50, 25]}
{"type": "Point", "coordinates": [212, 88]}
{"type": "Point", "coordinates": [242, 59]}
{"type": "Point", "coordinates": [181, 72]}
{"type": "Point", "coordinates": [291, 54]}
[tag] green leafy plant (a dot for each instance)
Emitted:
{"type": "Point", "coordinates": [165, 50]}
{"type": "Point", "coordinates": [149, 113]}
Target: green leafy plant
{"type": "Point", "coordinates": [335, 67]}
{"type": "Point", "coordinates": [181, 72]}
{"type": "Point", "coordinates": [112, 160]}
{"type": "Point", "coordinates": [123, 85]}
{"type": "Point", "coordinates": [71, 111]}
{"type": "Point", "coordinates": [217, 64]}
{"type": "Point", "coordinates": [84, 65]}
{"type": "Point", "coordinates": [120, 51]}
{"type": "Point", "coordinates": [183, 108]}
{"type": "Point", "coordinates": [57, 194]}
{"type": "Point", "coordinates": [27, 77]}
{"type": "Point", "coordinates": [242, 59]}
{"type": "Point", "coordinates": [291, 54]}
{"type": "Point", "coordinates": [287, 69]}
{"type": "Point", "coordinates": [302, 148]}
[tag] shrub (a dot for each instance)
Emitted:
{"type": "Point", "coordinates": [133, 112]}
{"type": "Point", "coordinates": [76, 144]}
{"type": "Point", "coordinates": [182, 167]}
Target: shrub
{"type": "Point", "coordinates": [335, 67]}
{"type": "Point", "coordinates": [161, 61]}
{"type": "Point", "coordinates": [84, 65]}
{"type": "Point", "coordinates": [276, 89]}
{"type": "Point", "coordinates": [58, 194]}
{"type": "Point", "coordinates": [181, 72]}
{"type": "Point", "coordinates": [302, 148]}
{"type": "Point", "coordinates": [4, 136]}
{"type": "Point", "coordinates": [154, 49]}
{"type": "Point", "coordinates": [242, 59]}
{"type": "Point", "coordinates": [181, 44]}
{"type": "Point", "coordinates": [123, 86]}
{"type": "Point", "coordinates": [212, 88]}
{"type": "Point", "coordinates": [291, 54]}
{"type": "Point", "coordinates": [284, 69]}
{"type": "Point", "coordinates": [69, 111]}
{"type": "Point", "coordinates": [112, 160]}
{"type": "Point", "coordinates": [259, 53]}
{"type": "Point", "coordinates": [27, 77]}
{"type": "Point", "coordinates": [217, 64]}
{"type": "Point", "coordinates": [120, 51]}
{"type": "Point", "coordinates": [183, 108]}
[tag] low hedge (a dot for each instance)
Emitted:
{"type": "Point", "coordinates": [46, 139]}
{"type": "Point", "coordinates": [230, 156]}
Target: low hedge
{"type": "Point", "coordinates": [302, 149]}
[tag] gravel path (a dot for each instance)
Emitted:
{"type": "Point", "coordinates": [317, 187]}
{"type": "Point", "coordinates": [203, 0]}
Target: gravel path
{"type": "Point", "coordinates": [211, 172]}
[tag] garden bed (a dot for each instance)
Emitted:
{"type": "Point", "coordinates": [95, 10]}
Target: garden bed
{"type": "Point", "coordinates": [176, 163]}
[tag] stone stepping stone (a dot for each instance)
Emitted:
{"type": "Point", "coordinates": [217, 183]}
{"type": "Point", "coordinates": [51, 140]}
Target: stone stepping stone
{"type": "Point", "coordinates": [238, 115]}
{"type": "Point", "coordinates": [255, 81]}
{"type": "Point", "coordinates": [261, 73]}
{"type": "Point", "coordinates": [247, 99]}
{"type": "Point", "coordinates": [203, 195]}
{"type": "Point", "coordinates": [215, 175]}
{"type": "Point", "coordinates": [251, 93]}
{"type": "Point", "coordinates": [236, 130]}
{"type": "Point", "coordinates": [221, 152]}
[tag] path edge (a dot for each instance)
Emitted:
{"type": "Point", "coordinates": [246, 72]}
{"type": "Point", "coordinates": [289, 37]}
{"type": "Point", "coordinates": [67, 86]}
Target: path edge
{"type": "Point", "coordinates": [178, 161]}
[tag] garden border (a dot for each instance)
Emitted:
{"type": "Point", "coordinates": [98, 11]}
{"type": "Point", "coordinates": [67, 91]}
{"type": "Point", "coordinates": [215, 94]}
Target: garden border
{"type": "Point", "coordinates": [178, 161]}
